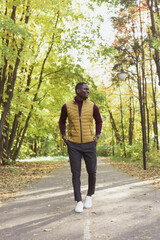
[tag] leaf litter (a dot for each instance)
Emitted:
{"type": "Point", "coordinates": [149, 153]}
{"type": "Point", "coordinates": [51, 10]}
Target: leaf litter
{"type": "Point", "coordinates": [17, 177]}
{"type": "Point", "coordinates": [152, 173]}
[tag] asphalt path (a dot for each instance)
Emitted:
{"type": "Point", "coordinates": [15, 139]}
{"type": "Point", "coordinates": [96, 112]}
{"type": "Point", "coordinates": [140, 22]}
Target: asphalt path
{"type": "Point", "coordinates": [123, 209]}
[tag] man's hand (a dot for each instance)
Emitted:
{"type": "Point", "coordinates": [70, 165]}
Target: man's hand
{"type": "Point", "coordinates": [96, 138]}
{"type": "Point", "coordinates": [64, 138]}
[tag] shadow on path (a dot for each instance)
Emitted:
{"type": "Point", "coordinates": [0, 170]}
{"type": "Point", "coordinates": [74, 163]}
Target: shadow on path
{"type": "Point", "coordinates": [123, 209]}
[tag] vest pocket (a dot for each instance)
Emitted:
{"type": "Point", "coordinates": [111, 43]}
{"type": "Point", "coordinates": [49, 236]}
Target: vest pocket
{"type": "Point", "coordinates": [90, 130]}
{"type": "Point", "coordinates": [71, 131]}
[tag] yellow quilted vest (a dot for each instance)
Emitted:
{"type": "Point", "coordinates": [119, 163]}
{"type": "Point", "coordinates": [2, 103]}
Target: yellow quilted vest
{"type": "Point", "coordinates": [80, 128]}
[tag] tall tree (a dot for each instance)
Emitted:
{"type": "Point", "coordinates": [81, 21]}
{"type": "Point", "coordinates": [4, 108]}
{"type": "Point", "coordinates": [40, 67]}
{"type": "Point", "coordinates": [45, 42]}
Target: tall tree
{"type": "Point", "coordinates": [153, 4]}
{"type": "Point", "coordinates": [33, 47]}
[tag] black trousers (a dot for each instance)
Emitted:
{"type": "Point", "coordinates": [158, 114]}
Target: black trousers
{"type": "Point", "coordinates": [88, 152]}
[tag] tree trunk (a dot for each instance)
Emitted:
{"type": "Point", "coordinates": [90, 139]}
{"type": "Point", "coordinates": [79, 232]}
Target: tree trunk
{"type": "Point", "coordinates": [12, 76]}
{"type": "Point", "coordinates": [16, 152]}
{"type": "Point", "coordinates": [156, 7]}
{"type": "Point", "coordinates": [122, 125]}
{"type": "Point", "coordinates": [131, 120]}
{"type": "Point", "coordinates": [155, 122]}
{"type": "Point", "coordinates": [117, 135]}
{"type": "Point", "coordinates": [2, 80]}
{"type": "Point", "coordinates": [147, 111]}
{"type": "Point", "coordinates": [150, 4]}
{"type": "Point", "coordinates": [10, 96]}
{"type": "Point", "coordinates": [140, 97]}
{"type": "Point", "coordinates": [5, 142]}
{"type": "Point", "coordinates": [13, 132]}
{"type": "Point", "coordinates": [17, 138]}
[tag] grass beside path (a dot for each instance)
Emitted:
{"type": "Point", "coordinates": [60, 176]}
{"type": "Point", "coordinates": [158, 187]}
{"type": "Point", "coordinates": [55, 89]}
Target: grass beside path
{"type": "Point", "coordinates": [16, 178]}
{"type": "Point", "coordinates": [136, 170]}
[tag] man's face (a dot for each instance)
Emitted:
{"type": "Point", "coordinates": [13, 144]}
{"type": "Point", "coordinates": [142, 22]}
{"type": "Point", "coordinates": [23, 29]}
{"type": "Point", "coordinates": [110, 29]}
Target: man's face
{"type": "Point", "coordinates": [83, 91]}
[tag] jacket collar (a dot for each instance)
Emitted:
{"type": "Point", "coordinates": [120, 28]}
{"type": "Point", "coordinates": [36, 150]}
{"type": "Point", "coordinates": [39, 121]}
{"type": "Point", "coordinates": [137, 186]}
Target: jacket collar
{"type": "Point", "coordinates": [76, 101]}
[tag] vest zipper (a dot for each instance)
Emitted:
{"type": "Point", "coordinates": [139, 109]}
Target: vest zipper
{"type": "Point", "coordinates": [80, 127]}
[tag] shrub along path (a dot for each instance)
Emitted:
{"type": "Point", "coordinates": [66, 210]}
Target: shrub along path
{"type": "Point", "coordinates": [123, 209]}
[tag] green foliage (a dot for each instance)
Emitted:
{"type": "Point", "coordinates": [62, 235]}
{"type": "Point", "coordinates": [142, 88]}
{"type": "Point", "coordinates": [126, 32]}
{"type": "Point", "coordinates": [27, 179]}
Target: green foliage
{"type": "Point", "coordinates": [104, 150]}
{"type": "Point", "coordinates": [156, 43]}
{"type": "Point", "coordinates": [110, 2]}
{"type": "Point", "coordinates": [45, 80]}
{"type": "Point", "coordinates": [18, 29]}
{"type": "Point", "coordinates": [36, 50]}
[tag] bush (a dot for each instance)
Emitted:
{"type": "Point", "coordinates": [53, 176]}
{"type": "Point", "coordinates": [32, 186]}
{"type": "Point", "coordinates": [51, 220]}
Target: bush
{"type": "Point", "coordinates": [133, 152]}
{"type": "Point", "coordinates": [104, 150]}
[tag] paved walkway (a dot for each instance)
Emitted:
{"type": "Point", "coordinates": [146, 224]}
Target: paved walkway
{"type": "Point", "coordinates": [123, 209]}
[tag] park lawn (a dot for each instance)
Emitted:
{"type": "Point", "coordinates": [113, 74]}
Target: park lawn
{"type": "Point", "coordinates": [15, 178]}
{"type": "Point", "coordinates": [152, 173]}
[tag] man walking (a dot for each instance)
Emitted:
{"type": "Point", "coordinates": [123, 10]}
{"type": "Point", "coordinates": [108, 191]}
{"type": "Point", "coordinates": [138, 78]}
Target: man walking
{"type": "Point", "coordinates": [81, 140]}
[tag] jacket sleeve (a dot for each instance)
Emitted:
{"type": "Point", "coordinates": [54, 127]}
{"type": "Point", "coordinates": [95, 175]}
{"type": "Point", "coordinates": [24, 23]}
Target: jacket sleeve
{"type": "Point", "coordinates": [98, 119]}
{"type": "Point", "coordinates": [62, 120]}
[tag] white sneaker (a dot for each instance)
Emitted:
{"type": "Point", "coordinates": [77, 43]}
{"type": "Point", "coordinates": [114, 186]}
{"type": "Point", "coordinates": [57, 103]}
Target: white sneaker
{"type": "Point", "coordinates": [88, 202]}
{"type": "Point", "coordinates": [79, 207]}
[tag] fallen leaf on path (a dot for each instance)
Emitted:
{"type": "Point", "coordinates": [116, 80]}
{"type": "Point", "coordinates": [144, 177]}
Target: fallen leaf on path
{"type": "Point", "coordinates": [47, 230]}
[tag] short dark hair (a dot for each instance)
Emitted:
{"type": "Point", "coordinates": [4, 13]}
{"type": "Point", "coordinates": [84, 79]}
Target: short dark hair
{"type": "Point", "coordinates": [79, 85]}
